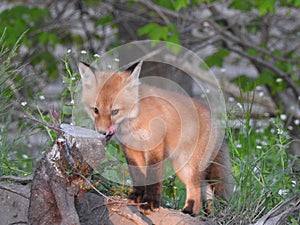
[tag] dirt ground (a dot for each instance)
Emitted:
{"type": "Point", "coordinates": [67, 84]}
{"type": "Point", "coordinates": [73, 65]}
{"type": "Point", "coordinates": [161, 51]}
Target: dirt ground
{"type": "Point", "coordinates": [14, 201]}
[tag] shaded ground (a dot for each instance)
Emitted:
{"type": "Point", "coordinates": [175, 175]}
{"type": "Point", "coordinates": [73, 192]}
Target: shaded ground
{"type": "Point", "coordinates": [14, 201]}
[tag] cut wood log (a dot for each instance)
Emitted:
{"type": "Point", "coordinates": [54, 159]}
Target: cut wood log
{"type": "Point", "coordinates": [60, 175]}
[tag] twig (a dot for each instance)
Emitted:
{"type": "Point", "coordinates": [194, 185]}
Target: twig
{"type": "Point", "coordinates": [110, 200]}
{"type": "Point", "coordinates": [32, 118]}
{"type": "Point", "coordinates": [20, 180]}
{"type": "Point", "coordinates": [271, 67]}
{"type": "Point", "coordinates": [157, 9]}
{"type": "Point", "coordinates": [132, 217]}
{"type": "Point", "coordinates": [13, 191]}
{"type": "Point", "coordinates": [274, 217]}
{"type": "Point", "coordinates": [236, 40]}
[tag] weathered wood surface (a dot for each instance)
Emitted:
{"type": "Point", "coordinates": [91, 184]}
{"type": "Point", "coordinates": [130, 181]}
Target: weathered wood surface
{"type": "Point", "coordinates": [61, 176]}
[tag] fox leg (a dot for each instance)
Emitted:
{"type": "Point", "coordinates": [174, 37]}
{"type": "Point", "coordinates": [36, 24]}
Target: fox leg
{"type": "Point", "coordinates": [154, 177]}
{"type": "Point", "coordinates": [194, 183]}
{"type": "Point", "coordinates": [136, 165]}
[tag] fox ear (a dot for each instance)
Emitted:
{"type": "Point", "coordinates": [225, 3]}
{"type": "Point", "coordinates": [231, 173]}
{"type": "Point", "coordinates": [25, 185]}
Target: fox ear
{"type": "Point", "coordinates": [135, 70]}
{"type": "Point", "coordinates": [87, 74]}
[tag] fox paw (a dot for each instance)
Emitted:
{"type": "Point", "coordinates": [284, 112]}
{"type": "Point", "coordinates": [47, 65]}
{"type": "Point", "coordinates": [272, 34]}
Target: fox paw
{"type": "Point", "coordinates": [188, 208]}
{"type": "Point", "coordinates": [135, 197]}
{"type": "Point", "coordinates": [149, 205]}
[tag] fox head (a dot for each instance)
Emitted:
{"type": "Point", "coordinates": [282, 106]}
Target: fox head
{"type": "Point", "coordinates": [110, 97]}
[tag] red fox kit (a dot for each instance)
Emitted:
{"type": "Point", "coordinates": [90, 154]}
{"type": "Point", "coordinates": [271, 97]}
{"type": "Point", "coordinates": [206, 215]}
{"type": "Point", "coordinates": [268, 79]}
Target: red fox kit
{"type": "Point", "coordinates": [154, 125]}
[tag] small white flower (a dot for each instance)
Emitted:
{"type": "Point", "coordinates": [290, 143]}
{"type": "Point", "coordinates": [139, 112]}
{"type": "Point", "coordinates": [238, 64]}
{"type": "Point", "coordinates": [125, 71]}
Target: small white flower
{"type": "Point", "coordinates": [258, 88]}
{"type": "Point", "coordinates": [69, 51]}
{"type": "Point", "coordinates": [207, 91]}
{"type": "Point", "coordinates": [72, 102]}
{"type": "Point", "coordinates": [24, 156]}
{"type": "Point", "coordinates": [283, 192]}
{"type": "Point", "coordinates": [223, 70]}
{"type": "Point", "coordinates": [258, 147]}
{"type": "Point", "coordinates": [23, 103]}
{"type": "Point", "coordinates": [128, 182]}
{"type": "Point", "coordinates": [272, 120]}
{"type": "Point", "coordinates": [259, 130]}
{"type": "Point", "coordinates": [272, 131]}
{"type": "Point", "coordinates": [109, 66]}
{"type": "Point", "coordinates": [290, 128]}
{"type": "Point", "coordinates": [297, 122]}
{"type": "Point", "coordinates": [294, 183]}
{"type": "Point", "coordinates": [42, 97]}
{"type": "Point", "coordinates": [96, 55]}
{"type": "Point", "coordinates": [240, 105]}
{"type": "Point", "coordinates": [283, 117]}
{"type": "Point", "coordinates": [83, 52]}
{"type": "Point", "coordinates": [278, 80]}
{"type": "Point", "coordinates": [260, 94]}
{"type": "Point", "coordinates": [230, 99]}
{"type": "Point", "coordinates": [73, 78]}
{"type": "Point", "coordinates": [279, 131]}
{"type": "Point", "coordinates": [266, 114]}
{"type": "Point", "coordinates": [264, 143]}
{"type": "Point", "coordinates": [117, 60]}
{"type": "Point", "coordinates": [238, 145]}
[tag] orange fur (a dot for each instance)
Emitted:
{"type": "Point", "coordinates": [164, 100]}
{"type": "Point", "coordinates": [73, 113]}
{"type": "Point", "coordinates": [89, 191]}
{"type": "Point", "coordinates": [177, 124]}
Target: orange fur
{"type": "Point", "coordinates": [154, 125]}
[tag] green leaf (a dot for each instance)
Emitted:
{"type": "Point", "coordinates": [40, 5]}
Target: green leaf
{"type": "Point", "coordinates": [241, 5]}
{"type": "Point", "coordinates": [252, 52]}
{"type": "Point", "coordinates": [180, 4]}
{"type": "Point", "coordinates": [217, 58]}
{"type": "Point", "coordinates": [245, 83]}
{"type": "Point", "coordinates": [265, 6]}
{"type": "Point", "coordinates": [104, 20]}
{"type": "Point", "coordinates": [165, 33]}
{"type": "Point", "coordinates": [67, 110]}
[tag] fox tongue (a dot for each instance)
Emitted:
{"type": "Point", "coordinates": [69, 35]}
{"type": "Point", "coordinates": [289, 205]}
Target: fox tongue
{"type": "Point", "coordinates": [112, 130]}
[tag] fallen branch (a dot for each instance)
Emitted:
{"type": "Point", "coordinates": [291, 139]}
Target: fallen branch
{"type": "Point", "coordinates": [279, 214]}
{"type": "Point", "coordinates": [19, 180]}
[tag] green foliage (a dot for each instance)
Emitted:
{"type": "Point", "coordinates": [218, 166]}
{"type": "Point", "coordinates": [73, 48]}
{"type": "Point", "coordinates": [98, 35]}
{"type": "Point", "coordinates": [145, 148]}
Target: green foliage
{"type": "Point", "coordinates": [173, 5]}
{"type": "Point", "coordinates": [165, 33]}
{"type": "Point", "coordinates": [217, 58]}
{"type": "Point", "coordinates": [241, 5]}
{"type": "Point", "coordinates": [16, 21]}
{"type": "Point", "coordinates": [263, 6]}
{"type": "Point", "coordinates": [245, 83]}
{"type": "Point", "coordinates": [10, 162]}
{"type": "Point", "coordinates": [261, 165]}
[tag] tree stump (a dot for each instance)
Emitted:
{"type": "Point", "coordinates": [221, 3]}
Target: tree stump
{"type": "Point", "coordinates": [61, 175]}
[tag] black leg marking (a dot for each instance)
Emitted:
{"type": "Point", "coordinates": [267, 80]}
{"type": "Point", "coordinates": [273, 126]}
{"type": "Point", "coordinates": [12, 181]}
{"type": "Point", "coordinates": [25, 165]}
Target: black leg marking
{"type": "Point", "coordinates": [188, 209]}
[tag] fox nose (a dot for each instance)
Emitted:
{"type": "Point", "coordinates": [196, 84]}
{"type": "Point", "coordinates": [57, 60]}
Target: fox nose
{"type": "Point", "coordinates": [102, 132]}
{"type": "Point", "coordinates": [108, 133]}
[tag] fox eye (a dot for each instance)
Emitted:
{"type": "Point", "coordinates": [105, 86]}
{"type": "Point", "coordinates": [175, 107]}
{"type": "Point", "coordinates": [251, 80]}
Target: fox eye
{"type": "Point", "coordinates": [96, 111]}
{"type": "Point", "coordinates": [114, 112]}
